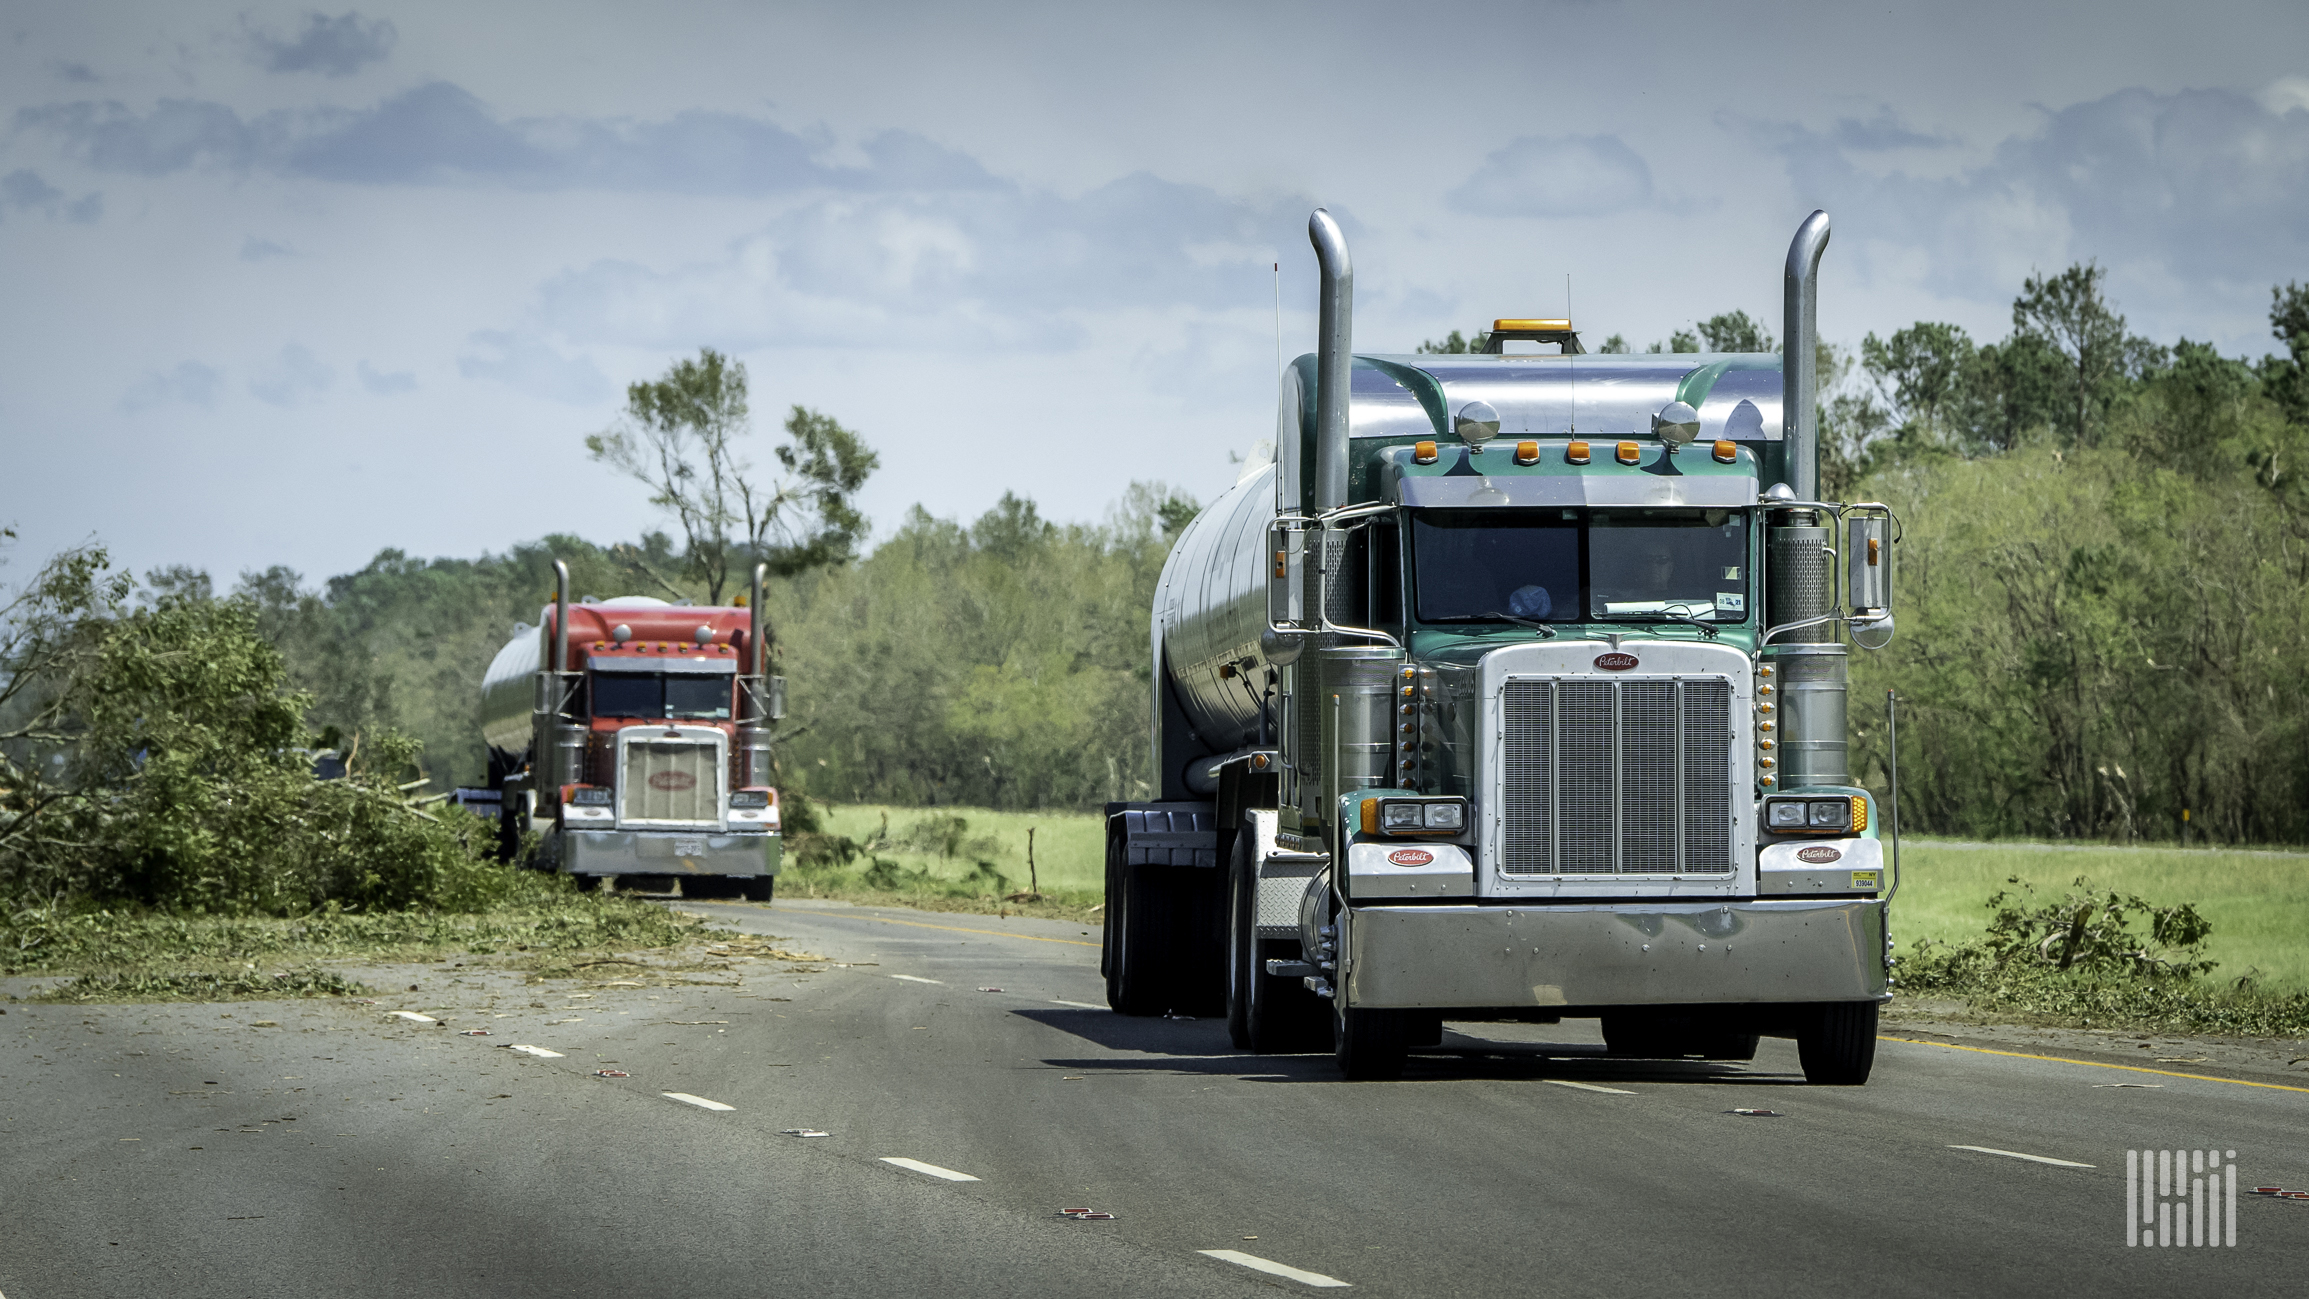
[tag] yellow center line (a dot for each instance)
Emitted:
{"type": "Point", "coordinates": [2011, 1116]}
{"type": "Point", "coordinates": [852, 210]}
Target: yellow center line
{"type": "Point", "coordinates": [2062, 1059]}
{"type": "Point", "coordinates": [958, 929]}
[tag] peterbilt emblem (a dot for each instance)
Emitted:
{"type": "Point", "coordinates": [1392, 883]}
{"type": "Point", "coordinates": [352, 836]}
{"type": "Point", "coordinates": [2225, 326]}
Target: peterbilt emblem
{"type": "Point", "coordinates": [1615, 662]}
{"type": "Point", "coordinates": [1819, 854]}
{"type": "Point", "coordinates": [673, 782]}
{"type": "Point", "coordinates": [1411, 856]}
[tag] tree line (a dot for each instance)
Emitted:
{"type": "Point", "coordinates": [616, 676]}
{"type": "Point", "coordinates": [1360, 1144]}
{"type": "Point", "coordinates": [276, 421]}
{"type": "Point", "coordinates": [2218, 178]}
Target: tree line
{"type": "Point", "coordinates": [2103, 551]}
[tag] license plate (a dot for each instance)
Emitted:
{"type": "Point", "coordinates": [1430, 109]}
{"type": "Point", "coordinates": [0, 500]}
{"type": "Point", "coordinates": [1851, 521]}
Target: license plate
{"type": "Point", "coordinates": [689, 847]}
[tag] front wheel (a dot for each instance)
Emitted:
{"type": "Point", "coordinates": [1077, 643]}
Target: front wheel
{"type": "Point", "coordinates": [761, 888]}
{"type": "Point", "coordinates": [1266, 1014]}
{"type": "Point", "coordinates": [1370, 1045]}
{"type": "Point", "coordinates": [1838, 1047]}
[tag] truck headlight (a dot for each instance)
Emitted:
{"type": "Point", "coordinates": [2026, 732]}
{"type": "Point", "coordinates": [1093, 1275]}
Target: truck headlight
{"type": "Point", "coordinates": [1782, 814]}
{"type": "Point", "coordinates": [1414, 815]}
{"type": "Point", "coordinates": [1830, 814]}
{"type": "Point", "coordinates": [590, 797]}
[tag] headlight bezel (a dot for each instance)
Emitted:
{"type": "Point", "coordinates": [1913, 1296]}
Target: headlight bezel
{"type": "Point", "coordinates": [1810, 814]}
{"type": "Point", "coordinates": [1416, 817]}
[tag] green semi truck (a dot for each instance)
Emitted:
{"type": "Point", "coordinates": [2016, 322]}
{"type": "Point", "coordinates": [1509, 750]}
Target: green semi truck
{"type": "Point", "coordinates": [1515, 689]}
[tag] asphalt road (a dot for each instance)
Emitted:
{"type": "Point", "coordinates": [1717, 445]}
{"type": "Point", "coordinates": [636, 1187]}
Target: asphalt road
{"type": "Point", "coordinates": [333, 1149]}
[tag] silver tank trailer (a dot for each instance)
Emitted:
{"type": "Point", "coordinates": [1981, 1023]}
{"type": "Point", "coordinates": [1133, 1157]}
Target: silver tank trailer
{"type": "Point", "coordinates": [1210, 610]}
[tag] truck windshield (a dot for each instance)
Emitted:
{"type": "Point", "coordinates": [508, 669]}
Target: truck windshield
{"type": "Point", "coordinates": [655, 695]}
{"type": "Point", "coordinates": [1508, 566]}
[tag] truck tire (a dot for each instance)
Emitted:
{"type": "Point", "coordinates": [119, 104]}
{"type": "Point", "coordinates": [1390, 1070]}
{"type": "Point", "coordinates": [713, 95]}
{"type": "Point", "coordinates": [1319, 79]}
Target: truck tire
{"type": "Point", "coordinates": [1726, 1046]}
{"type": "Point", "coordinates": [1838, 1047]}
{"type": "Point", "coordinates": [761, 888]}
{"type": "Point", "coordinates": [1266, 1015]}
{"type": "Point", "coordinates": [1141, 934]}
{"type": "Point", "coordinates": [1371, 1045]}
{"type": "Point", "coordinates": [512, 818]}
{"type": "Point", "coordinates": [1641, 1037]}
{"type": "Point", "coordinates": [1243, 968]}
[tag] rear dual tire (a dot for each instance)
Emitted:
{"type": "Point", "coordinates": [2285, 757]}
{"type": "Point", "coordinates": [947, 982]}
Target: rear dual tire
{"type": "Point", "coordinates": [1165, 945]}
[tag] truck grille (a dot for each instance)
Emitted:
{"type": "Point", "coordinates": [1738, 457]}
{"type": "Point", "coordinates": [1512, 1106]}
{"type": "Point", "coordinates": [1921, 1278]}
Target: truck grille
{"type": "Point", "coordinates": [1616, 777]}
{"type": "Point", "coordinates": [672, 781]}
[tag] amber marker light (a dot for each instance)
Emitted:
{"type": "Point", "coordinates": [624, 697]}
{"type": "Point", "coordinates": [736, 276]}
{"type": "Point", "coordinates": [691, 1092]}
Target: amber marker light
{"type": "Point", "coordinates": [1423, 453]}
{"type": "Point", "coordinates": [1727, 452]}
{"type": "Point", "coordinates": [1859, 814]}
{"type": "Point", "coordinates": [1575, 453]}
{"type": "Point", "coordinates": [1370, 816]}
{"type": "Point", "coordinates": [1628, 453]}
{"type": "Point", "coordinates": [1527, 453]}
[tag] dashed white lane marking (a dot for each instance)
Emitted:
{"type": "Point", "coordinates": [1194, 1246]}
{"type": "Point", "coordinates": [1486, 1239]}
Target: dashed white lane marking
{"type": "Point", "coordinates": [2014, 1154]}
{"type": "Point", "coordinates": [916, 978]}
{"type": "Point", "coordinates": [699, 1101]}
{"type": "Point", "coordinates": [931, 1169]}
{"type": "Point", "coordinates": [538, 1051]}
{"type": "Point", "coordinates": [1078, 1005]}
{"type": "Point", "coordinates": [1273, 1268]}
{"type": "Point", "coordinates": [414, 1018]}
{"type": "Point", "coordinates": [1586, 1087]}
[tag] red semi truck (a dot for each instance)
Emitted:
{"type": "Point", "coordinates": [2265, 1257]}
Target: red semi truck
{"type": "Point", "coordinates": [634, 736]}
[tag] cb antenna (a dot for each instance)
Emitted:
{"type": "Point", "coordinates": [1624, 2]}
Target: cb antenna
{"type": "Point", "coordinates": [1571, 349]}
{"type": "Point", "coordinates": [1278, 320]}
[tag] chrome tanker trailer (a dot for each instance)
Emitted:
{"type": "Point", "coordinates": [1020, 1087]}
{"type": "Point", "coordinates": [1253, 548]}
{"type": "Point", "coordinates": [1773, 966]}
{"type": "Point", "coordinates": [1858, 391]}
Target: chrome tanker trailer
{"type": "Point", "coordinates": [633, 736]}
{"type": "Point", "coordinates": [1515, 689]}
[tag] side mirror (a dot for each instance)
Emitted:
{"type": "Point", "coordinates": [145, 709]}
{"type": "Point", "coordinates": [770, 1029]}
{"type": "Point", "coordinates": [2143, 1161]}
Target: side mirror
{"type": "Point", "coordinates": [1286, 575]}
{"type": "Point", "coordinates": [1868, 579]}
{"type": "Point", "coordinates": [1867, 565]}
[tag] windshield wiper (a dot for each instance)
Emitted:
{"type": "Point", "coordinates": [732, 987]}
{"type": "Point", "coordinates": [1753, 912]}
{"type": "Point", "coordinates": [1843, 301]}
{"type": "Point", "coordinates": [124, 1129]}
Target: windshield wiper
{"type": "Point", "coordinates": [1540, 627]}
{"type": "Point", "coordinates": [1708, 628]}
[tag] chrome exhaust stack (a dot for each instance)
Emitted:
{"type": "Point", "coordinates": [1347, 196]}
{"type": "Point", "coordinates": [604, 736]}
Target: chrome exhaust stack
{"type": "Point", "coordinates": [1334, 359]}
{"type": "Point", "coordinates": [1807, 664]}
{"type": "Point", "coordinates": [563, 757]}
{"type": "Point", "coordinates": [753, 692]}
{"type": "Point", "coordinates": [1318, 677]}
{"type": "Point", "coordinates": [1799, 362]}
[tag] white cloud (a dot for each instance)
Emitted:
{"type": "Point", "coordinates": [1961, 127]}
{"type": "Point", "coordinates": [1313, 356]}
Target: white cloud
{"type": "Point", "coordinates": [292, 378]}
{"type": "Point", "coordinates": [1569, 175]}
{"type": "Point", "coordinates": [385, 384]}
{"type": "Point", "coordinates": [532, 366]}
{"type": "Point", "coordinates": [25, 191]}
{"type": "Point", "coordinates": [2286, 94]}
{"type": "Point", "coordinates": [2200, 187]}
{"type": "Point", "coordinates": [333, 47]}
{"type": "Point", "coordinates": [189, 383]}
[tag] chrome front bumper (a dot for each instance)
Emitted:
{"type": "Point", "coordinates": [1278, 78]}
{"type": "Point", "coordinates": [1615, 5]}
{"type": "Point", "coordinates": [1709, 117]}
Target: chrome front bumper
{"type": "Point", "coordinates": [1622, 954]}
{"type": "Point", "coordinates": [659, 852]}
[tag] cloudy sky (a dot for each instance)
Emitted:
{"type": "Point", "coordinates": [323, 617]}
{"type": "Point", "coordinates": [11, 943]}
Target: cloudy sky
{"type": "Point", "coordinates": [291, 286]}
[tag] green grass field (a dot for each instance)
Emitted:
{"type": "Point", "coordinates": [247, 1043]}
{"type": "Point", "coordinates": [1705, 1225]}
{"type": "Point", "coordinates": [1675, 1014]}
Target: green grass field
{"type": "Point", "coordinates": [2258, 902]}
{"type": "Point", "coordinates": [932, 857]}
